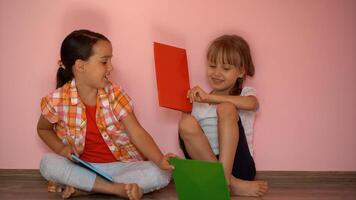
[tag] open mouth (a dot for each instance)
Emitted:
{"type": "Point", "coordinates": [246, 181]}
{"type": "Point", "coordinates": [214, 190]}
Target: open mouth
{"type": "Point", "coordinates": [217, 81]}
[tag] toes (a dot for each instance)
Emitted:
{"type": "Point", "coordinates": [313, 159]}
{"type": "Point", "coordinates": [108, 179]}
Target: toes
{"type": "Point", "coordinates": [262, 190]}
{"type": "Point", "coordinates": [264, 183]}
{"type": "Point", "coordinates": [65, 195]}
{"type": "Point", "coordinates": [264, 186]}
{"type": "Point", "coordinates": [67, 192]}
{"type": "Point", "coordinates": [133, 191]}
{"type": "Point", "coordinates": [128, 189]}
{"type": "Point", "coordinates": [259, 193]}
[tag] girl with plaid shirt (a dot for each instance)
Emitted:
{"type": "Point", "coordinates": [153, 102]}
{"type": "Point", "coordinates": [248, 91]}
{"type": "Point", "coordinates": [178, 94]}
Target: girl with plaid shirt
{"type": "Point", "coordinates": [91, 117]}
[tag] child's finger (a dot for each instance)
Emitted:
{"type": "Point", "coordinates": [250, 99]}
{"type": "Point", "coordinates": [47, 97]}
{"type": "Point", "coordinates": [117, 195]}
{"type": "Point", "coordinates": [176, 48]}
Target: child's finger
{"type": "Point", "coordinates": [192, 95]}
{"type": "Point", "coordinates": [171, 155]}
{"type": "Point", "coordinates": [69, 156]}
{"type": "Point", "coordinates": [189, 95]}
{"type": "Point", "coordinates": [194, 91]}
{"type": "Point", "coordinates": [197, 96]}
{"type": "Point", "coordinates": [166, 158]}
{"type": "Point", "coordinates": [170, 166]}
{"type": "Point", "coordinates": [74, 150]}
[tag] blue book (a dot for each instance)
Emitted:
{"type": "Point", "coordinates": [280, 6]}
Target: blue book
{"type": "Point", "coordinates": [92, 168]}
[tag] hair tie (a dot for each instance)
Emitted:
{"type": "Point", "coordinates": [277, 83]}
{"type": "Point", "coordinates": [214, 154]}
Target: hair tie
{"type": "Point", "coordinates": [60, 64]}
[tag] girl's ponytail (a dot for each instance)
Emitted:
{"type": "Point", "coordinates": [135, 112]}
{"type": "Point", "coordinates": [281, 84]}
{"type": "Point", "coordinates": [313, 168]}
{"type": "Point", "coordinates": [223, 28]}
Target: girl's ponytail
{"type": "Point", "coordinates": [236, 90]}
{"type": "Point", "coordinates": [63, 76]}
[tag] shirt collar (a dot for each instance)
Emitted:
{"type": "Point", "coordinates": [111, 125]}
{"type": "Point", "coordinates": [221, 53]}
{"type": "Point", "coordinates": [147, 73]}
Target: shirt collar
{"type": "Point", "coordinates": [102, 98]}
{"type": "Point", "coordinates": [74, 98]}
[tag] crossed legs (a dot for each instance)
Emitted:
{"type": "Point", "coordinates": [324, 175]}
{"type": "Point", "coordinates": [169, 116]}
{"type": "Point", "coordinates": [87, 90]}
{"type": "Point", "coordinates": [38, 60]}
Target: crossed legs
{"type": "Point", "coordinates": [80, 181]}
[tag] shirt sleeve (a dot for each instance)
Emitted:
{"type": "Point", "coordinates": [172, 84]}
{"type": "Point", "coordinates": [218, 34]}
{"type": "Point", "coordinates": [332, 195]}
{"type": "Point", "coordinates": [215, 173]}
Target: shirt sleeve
{"type": "Point", "coordinates": [122, 103]}
{"type": "Point", "coordinates": [48, 111]}
{"type": "Point", "coordinates": [248, 91]}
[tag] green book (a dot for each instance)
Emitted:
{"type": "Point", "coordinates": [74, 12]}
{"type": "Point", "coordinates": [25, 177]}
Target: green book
{"type": "Point", "coordinates": [195, 179]}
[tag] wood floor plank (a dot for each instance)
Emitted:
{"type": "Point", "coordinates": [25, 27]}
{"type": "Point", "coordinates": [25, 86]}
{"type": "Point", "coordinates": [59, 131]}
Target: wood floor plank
{"type": "Point", "coordinates": [29, 184]}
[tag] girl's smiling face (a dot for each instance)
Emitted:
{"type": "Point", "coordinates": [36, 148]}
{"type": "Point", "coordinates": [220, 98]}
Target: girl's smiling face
{"type": "Point", "coordinates": [222, 77]}
{"type": "Point", "coordinates": [98, 67]}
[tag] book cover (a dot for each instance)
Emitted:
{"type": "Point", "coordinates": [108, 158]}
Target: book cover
{"type": "Point", "coordinates": [92, 168]}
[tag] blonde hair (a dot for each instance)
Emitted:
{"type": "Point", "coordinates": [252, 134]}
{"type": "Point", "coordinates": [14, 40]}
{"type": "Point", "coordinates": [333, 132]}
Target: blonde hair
{"type": "Point", "coordinates": [232, 50]}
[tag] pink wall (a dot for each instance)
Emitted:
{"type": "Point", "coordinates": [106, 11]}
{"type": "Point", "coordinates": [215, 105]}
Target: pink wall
{"type": "Point", "coordinates": [304, 53]}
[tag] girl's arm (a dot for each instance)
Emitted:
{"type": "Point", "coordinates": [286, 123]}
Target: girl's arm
{"type": "Point", "coordinates": [46, 133]}
{"type": "Point", "coordinates": [144, 142]}
{"type": "Point", "coordinates": [241, 102]}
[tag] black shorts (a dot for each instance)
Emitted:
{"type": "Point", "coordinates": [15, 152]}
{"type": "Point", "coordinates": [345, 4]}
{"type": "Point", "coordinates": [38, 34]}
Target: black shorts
{"type": "Point", "coordinates": [244, 165]}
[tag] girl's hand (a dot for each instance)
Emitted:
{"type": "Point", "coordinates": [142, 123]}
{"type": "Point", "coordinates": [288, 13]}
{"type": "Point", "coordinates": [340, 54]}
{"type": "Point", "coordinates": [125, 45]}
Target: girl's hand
{"type": "Point", "coordinates": [164, 164]}
{"type": "Point", "coordinates": [67, 152]}
{"type": "Point", "coordinates": [197, 94]}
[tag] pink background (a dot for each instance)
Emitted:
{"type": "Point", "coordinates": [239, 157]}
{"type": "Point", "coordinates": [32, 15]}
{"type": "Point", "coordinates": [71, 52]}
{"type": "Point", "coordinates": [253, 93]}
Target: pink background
{"type": "Point", "coordinates": [304, 52]}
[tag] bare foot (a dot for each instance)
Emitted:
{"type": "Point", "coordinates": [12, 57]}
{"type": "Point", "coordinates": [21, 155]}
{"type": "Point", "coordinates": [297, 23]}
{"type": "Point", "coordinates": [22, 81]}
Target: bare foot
{"type": "Point", "coordinates": [133, 191]}
{"type": "Point", "coordinates": [248, 188]}
{"type": "Point", "coordinates": [70, 191]}
{"type": "Point", "coordinates": [53, 187]}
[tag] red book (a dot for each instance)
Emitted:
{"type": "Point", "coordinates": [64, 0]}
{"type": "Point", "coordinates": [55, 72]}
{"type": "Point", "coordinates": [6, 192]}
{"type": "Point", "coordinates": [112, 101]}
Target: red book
{"type": "Point", "coordinates": [172, 77]}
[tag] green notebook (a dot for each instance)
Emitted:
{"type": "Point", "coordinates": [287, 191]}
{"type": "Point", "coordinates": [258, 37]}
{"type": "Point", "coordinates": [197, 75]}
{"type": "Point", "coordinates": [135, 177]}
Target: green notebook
{"type": "Point", "coordinates": [195, 179]}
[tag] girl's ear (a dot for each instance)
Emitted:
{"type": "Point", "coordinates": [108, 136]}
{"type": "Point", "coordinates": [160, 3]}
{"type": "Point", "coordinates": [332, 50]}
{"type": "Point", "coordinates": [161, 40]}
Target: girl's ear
{"type": "Point", "coordinates": [242, 72]}
{"type": "Point", "coordinates": [79, 65]}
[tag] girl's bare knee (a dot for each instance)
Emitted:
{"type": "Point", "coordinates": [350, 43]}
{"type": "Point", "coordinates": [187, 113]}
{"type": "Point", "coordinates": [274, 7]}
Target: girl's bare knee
{"type": "Point", "coordinates": [226, 110]}
{"type": "Point", "coordinates": [187, 125]}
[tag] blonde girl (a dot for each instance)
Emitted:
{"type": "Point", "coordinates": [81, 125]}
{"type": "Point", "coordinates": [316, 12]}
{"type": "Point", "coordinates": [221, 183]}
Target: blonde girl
{"type": "Point", "coordinates": [220, 120]}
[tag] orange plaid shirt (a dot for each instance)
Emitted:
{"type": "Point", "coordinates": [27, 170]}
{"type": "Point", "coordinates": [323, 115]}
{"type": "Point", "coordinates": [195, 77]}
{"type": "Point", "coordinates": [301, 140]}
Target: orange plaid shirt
{"type": "Point", "coordinates": [64, 108]}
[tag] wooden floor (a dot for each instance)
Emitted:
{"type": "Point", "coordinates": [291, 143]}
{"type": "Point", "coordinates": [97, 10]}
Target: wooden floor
{"type": "Point", "coordinates": [28, 184]}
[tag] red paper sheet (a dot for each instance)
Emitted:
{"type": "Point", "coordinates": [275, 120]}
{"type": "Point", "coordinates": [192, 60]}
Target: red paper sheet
{"type": "Point", "coordinates": [172, 77]}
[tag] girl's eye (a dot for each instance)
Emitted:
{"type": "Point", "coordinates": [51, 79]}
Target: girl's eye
{"type": "Point", "coordinates": [212, 66]}
{"type": "Point", "coordinates": [104, 63]}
